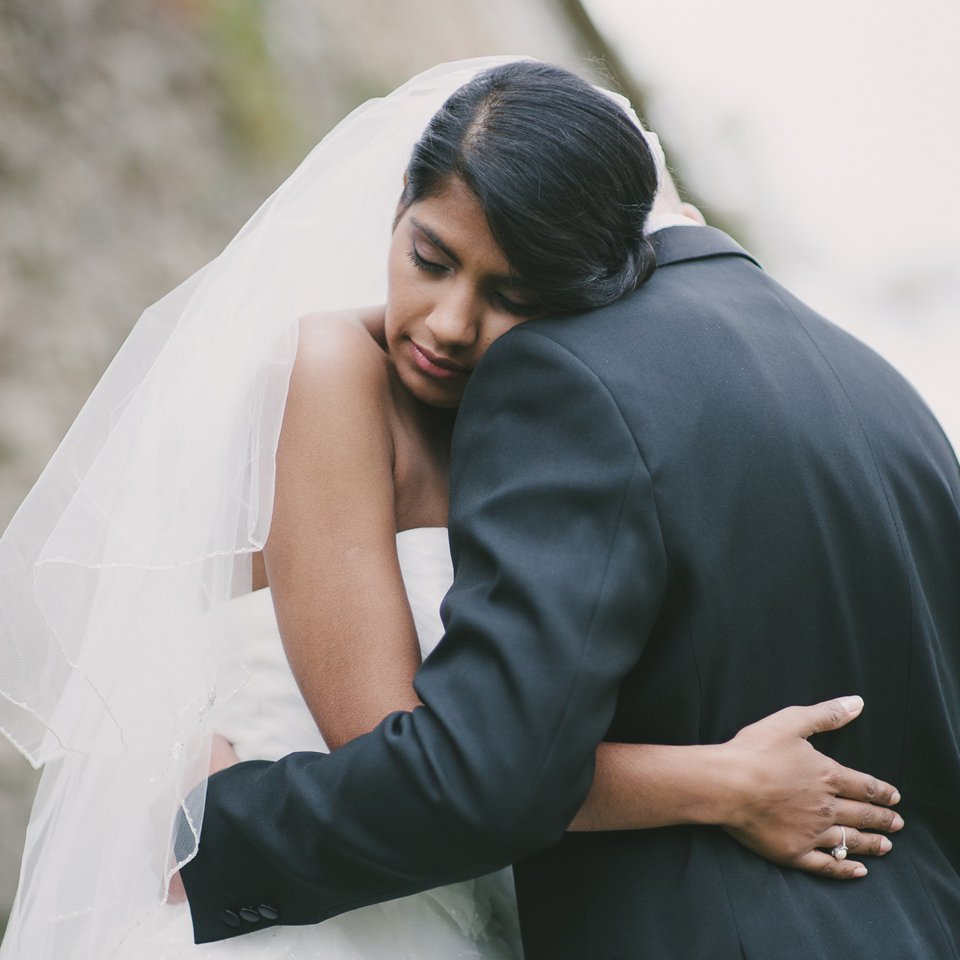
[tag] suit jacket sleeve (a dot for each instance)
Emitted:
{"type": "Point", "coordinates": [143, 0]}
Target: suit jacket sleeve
{"type": "Point", "coordinates": [559, 573]}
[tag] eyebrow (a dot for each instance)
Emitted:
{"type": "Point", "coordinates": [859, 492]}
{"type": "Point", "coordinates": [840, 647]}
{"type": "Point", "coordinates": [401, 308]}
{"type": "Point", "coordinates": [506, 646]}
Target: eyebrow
{"type": "Point", "coordinates": [436, 241]}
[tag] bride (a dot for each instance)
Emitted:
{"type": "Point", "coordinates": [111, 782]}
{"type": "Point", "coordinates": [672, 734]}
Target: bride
{"type": "Point", "coordinates": [135, 657]}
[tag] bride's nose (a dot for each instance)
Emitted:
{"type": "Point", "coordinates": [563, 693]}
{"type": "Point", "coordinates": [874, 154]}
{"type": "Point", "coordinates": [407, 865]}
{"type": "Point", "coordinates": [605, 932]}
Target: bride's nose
{"type": "Point", "coordinates": [455, 318]}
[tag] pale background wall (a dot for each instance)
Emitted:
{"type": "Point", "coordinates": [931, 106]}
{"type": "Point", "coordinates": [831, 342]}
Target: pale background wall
{"type": "Point", "coordinates": [826, 130]}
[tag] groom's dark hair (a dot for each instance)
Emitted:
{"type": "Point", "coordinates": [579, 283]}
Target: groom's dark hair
{"type": "Point", "coordinates": [564, 177]}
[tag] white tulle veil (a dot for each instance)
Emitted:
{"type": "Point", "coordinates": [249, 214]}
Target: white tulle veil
{"type": "Point", "coordinates": [145, 520]}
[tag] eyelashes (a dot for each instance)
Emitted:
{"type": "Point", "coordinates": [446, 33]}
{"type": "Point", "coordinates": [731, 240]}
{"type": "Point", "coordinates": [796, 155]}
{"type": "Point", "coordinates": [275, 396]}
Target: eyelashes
{"type": "Point", "coordinates": [501, 302]}
{"type": "Point", "coordinates": [427, 266]}
{"type": "Point", "coordinates": [517, 309]}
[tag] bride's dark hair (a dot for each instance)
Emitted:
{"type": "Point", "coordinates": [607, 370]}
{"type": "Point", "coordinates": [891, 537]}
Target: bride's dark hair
{"type": "Point", "coordinates": [564, 177]}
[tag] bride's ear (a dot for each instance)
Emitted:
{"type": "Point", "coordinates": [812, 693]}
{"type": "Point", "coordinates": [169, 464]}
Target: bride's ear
{"type": "Point", "coordinates": [689, 210]}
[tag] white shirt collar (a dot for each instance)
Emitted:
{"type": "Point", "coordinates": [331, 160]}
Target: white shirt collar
{"type": "Point", "coordinates": [670, 220]}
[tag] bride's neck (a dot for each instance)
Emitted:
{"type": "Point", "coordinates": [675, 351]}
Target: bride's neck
{"type": "Point", "coordinates": [372, 319]}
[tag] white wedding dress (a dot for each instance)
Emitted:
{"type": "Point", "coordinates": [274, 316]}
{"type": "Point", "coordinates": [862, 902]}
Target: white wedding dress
{"type": "Point", "coordinates": [267, 719]}
{"type": "Point", "coordinates": [123, 579]}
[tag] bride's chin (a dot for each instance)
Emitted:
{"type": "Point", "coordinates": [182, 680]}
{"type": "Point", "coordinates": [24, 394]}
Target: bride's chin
{"type": "Point", "coordinates": [434, 392]}
{"type": "Point", "coordinates": [440, 398]}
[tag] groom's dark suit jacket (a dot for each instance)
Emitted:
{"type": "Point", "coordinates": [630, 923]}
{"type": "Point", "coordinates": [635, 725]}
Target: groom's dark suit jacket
{"type": "Point", "coordinates": [669, 518]}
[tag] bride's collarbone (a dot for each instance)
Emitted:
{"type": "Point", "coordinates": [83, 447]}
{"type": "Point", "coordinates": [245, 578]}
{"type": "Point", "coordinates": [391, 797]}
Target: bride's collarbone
{"type": "Point", "coordinates": [421, 485]}
{"type": "Point", "coordinates": [421, 467]}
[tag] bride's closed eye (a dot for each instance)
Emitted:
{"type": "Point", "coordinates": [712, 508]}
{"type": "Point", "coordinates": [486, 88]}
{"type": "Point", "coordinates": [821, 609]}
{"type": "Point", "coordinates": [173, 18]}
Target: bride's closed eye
{"type": "Point", "coordinates": [517, 308]}
{"type": "Point", "coordinates": [422, 263]}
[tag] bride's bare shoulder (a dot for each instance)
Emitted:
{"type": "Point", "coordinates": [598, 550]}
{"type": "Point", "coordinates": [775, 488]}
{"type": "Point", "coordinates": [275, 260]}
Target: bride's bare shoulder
{"type": "Point", "coordinates": [338, 401]}
{"type": "Point", "coordinates": [339, 353]}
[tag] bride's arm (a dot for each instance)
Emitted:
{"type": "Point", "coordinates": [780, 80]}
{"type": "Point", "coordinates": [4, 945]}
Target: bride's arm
{"type": "Point", "coordinates": [331, 557]}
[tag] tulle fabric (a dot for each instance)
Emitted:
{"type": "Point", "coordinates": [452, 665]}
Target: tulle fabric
{"type": "Point", "coordinates": [113, 658]}
{"type": "Point", "coordinates": [267, 719]}
{"type": "Point", "coordinates": [144, 522]}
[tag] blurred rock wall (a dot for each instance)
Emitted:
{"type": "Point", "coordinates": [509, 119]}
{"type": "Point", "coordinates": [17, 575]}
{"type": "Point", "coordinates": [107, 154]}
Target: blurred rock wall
{"type": "Point", "coordinates": [136, 136]}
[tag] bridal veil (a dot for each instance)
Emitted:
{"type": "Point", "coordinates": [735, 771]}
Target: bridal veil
{"type": "Point", "coordinates": [144, 522]}
{"type": "Point", "coordinates": [143, 525]}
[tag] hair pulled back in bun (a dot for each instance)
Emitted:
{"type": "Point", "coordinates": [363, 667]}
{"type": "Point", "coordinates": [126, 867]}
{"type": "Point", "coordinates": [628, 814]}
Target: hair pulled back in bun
{"type": "Point", "coordinates": [563, 175]}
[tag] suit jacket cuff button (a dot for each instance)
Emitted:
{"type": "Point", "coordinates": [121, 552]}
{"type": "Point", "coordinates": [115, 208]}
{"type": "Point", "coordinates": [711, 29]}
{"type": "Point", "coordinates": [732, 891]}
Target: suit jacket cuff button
{"type": "Point", "coordinates": [230, 918]}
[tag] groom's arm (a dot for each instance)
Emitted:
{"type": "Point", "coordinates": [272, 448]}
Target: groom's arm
{"type": "Point", "coordinates": [560, 568]}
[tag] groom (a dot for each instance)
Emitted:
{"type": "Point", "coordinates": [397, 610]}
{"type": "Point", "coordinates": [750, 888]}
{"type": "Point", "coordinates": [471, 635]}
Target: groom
{"type": "Point", "coordinates": [669, 518]}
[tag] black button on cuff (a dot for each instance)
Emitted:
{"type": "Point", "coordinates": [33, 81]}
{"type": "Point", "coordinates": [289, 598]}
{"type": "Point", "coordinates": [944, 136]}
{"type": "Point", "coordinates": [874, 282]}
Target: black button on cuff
{"type": "Point", "coordinates": [249, 914]}
{"type": "Point", "coordinates": [230, 918]}
{"type": "Point", "coordinates": [268, 912]}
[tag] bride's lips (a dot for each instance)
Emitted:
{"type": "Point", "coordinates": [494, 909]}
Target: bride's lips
{"type": "Point", "coordinates": [435, 366]}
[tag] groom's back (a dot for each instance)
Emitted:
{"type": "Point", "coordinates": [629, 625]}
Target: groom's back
{"type": "Point", "coordinates": [808, 503]}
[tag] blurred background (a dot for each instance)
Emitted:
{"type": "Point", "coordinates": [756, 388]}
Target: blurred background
{"type": "Point", "coordinates": [136, 136]}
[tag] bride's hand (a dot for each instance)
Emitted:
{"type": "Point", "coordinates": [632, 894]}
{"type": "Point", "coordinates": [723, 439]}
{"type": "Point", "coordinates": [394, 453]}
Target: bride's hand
{"type": "Point", "coordinates": [767, 787]}
{"type": "Point", "coordinates": [792, 800]}
{"type": "Point", "coordinates": [222, 755]}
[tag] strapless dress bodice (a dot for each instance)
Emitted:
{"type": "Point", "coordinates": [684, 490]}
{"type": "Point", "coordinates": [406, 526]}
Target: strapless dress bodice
{"type": "Point", "coordinates": [263, 715]}
{"type": "Point", "coordinates": [427, 569]}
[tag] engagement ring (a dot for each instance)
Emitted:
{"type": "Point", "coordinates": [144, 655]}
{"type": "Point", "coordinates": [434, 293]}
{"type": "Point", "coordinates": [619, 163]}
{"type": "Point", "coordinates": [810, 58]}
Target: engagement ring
{"type": "Point", "coordinates": [840, 850]}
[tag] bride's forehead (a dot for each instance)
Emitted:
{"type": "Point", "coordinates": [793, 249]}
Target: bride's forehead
{"type": "Point", "coordinates": [453, 199]}
{"type": "Point", "coordinates": [453, 215]}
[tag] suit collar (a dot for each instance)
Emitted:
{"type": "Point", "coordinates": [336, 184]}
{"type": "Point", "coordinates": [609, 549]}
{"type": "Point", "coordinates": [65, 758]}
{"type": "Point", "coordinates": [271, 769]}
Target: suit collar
{"type": "Point", "coordinates": [675, 244]}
